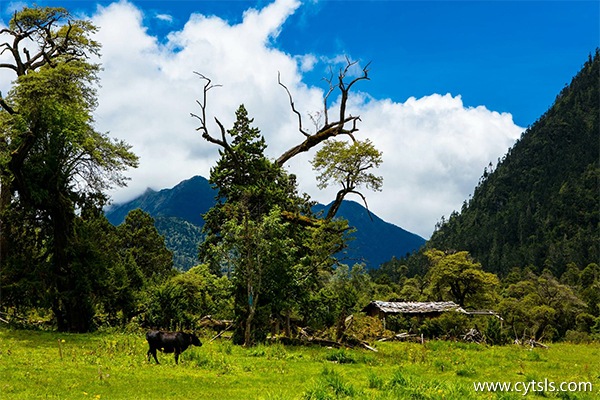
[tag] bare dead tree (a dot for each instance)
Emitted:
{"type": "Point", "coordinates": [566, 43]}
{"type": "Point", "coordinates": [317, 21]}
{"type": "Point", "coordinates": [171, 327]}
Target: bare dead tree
{"type": "Point", "coordinates": [333, 128]}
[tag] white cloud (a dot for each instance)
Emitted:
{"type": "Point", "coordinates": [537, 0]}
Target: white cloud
{"type": "Point", "coordinates": [434, 152]}
{"type": "Point", "coordinates": [164, 17]}
{"type": "Point", "coordinates": [434, 148]}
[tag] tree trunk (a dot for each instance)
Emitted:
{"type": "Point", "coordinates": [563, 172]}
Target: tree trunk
{"type": "Point", "coordinates": [288, 325]}
{"type": "Point", "coordinates": [4, 202]}
{"type": "Point", "coordinates": [248, 329]}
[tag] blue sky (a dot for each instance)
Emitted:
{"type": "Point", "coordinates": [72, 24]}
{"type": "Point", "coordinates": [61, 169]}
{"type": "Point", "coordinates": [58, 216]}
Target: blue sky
{"type": "Point", "coordinates": [512, 56]}
{"type": "Point", "coordinates": [453, 84]}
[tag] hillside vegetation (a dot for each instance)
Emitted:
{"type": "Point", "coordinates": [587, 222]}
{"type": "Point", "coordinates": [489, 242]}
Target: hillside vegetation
{"type": "Point", "coordinates": [540, 206]}
{"type": "Point", "coordinates": [178, 217]}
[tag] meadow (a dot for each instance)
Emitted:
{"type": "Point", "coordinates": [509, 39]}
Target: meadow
{"type": "Point", "coordinates": [112, 365]}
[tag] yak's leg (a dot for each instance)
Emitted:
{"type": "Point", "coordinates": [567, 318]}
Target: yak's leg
{"type": "Point", "coordinates": [152, 351]}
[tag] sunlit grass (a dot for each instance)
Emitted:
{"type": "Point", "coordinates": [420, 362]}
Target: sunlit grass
{"type": "Point", "coordinates": [49, 365]}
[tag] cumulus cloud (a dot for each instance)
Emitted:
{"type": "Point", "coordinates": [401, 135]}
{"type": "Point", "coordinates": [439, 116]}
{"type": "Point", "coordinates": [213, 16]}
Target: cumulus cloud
{"type": "Point", "coordinates": [164, 17]}
{"type": "Point", "coordinates": [434, 148]}
{"type": "Point", "coordinates": [434, 151]}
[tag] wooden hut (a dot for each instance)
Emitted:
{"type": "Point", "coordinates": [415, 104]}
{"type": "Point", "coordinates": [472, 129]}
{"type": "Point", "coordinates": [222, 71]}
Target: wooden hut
{"type": "Point", "coordinates": [419, 309]}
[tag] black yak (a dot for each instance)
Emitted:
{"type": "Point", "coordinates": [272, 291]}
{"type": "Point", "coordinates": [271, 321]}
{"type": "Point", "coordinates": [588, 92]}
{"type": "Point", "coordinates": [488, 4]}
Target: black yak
{"type": "Point", "coordinates": [170, 342]}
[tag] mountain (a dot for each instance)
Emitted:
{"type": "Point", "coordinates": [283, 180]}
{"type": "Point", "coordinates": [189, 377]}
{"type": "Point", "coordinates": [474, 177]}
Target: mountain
{"type": "Point", "coordinates": [187, 201]}
{"type": "Point", "coordinates": [540, 207]}
{"type": "Point", "coordinates": [375, 241]}
{"type": "Point", "coordinates": [178, 215]}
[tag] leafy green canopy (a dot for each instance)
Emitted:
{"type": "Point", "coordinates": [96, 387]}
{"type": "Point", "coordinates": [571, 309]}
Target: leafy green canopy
{"type": "Point", "coordinates": [456, 277]}
{"type": "Point", "coordinates": [54, 165]}
{"type": "Point", "coordinates": [347, 165]}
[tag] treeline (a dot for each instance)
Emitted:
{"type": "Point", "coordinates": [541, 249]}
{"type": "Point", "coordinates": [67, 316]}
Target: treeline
{"type": "Point", "coordinates": [264, 255]}
{"type": "Point", "coordinates": [533, 305]}
{"type": "Point", "coordinates": [533, 221]}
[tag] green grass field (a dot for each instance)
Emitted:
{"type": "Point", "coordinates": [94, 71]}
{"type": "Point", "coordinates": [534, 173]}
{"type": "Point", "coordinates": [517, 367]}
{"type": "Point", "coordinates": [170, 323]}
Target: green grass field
{"type": "Point", "coordinates": [50, 365]}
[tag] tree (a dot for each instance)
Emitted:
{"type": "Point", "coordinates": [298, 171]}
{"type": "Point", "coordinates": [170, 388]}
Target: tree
{"type": "Point", "coordinates": [540, 307]}
{"type": "Point", "coordinates": [458, 278]}
{"type": "Point", "coordinates": [243, 174]}
{"type": "Point", "coordinates": [262, 256]}
{"type": "Point", "coordinates": [246, 235]}
{"type": "Point", "coordinates": [53, 162]}
{"type": "Point", "coordinates": [347, 165]}
{"type": "Point", "coordinates": [140, 241]}
{"type": "Point", "coordinates": [56, 38]}
{"type": "Point", "coordinates": [257, 196]}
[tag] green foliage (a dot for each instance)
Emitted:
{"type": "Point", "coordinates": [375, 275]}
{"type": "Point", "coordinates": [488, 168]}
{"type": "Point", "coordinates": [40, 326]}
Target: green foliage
{"type": "Point", "coordinates": [540, 307]}
{"type": "Point", "coordinates": [182, 238]}
{"type": "Point", "coordinates": [458, 278]}
{"type": "Point", "coordinates": [140, 240]}
{"type": "Point", "coordinates": [114, 365]}
{"type": "Point", "coordinates": [180, 302]}
{"type": "Point", "coordinates": [341, 356]}
{"type": "Point", "coordinates": [346, 165]}
{"type": "Point", "coordinates": [449, 325]}
{"type": "Point", "coordinates": [55, 167]}
{"type": "Point", "coordinates": [263, 234]}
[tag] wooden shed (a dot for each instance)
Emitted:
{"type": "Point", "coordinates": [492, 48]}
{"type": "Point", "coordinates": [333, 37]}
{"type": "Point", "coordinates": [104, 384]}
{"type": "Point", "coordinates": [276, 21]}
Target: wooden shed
{"type": "Point", "coordinates": [419, 309]}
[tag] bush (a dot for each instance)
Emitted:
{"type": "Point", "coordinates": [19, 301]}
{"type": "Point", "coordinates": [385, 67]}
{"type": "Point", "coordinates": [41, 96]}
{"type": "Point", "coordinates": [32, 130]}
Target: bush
{"type": "Point", "coordinates": [367, 328]}
{"type": "Point", "coordinates": [447, 325]}
{"type": "Point", "coordinates": [341, 356]}
{"type": "Point", "coordinates": [585, 322]}
{"type": "Point", "coordinates": [577, 337]}
{"type": "Point", "coordinates": [493, 332]}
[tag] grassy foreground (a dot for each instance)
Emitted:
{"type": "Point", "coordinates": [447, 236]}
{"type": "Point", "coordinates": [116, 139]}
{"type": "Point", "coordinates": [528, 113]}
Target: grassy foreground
{"type": "Point", "coordinates": [50, 365]}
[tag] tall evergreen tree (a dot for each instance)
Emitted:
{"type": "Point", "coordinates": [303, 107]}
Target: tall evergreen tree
{"type": "Point", "coordinates": [262, 233]}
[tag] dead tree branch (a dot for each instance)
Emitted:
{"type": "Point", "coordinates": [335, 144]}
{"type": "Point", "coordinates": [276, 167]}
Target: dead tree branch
{"type": "Point", "coordinates": [329, 129]}
{"type": "Point", "coordinates": [203, 128]}
{"type": "Point", "coordinates": [292, 105]}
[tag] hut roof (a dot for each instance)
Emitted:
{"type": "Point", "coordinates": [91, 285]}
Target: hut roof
{"type": "Point", "coordinates": [392, 307]}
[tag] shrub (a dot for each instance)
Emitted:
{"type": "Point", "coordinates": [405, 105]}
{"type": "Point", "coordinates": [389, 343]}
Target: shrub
{"type": "Point", "coordinates": [341, 356]}
{"type": "Point", "coordinates": [447, 325]}
{"type": "Point", "coordinates": [493, 332]}
{"type": "Point", "coordinates": [577, 337]}
{"type": "Point", "coordinates": [366, 328]}
{"type": "Point", "coordinates": [585, 322]}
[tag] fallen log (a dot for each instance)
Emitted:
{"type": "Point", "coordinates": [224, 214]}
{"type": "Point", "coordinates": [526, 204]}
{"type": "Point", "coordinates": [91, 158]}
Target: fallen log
{"type": "Point", "coordinates": [533, 343]}
{"type": "Point", "coordinates": [215, 324]}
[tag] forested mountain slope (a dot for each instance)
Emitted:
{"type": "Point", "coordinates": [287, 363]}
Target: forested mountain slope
{"type": "Point", "coordinates": [540, 206]}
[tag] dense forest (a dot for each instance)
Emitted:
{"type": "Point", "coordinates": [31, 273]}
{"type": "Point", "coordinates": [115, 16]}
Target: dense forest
{"type": "Point", "coordinates": [526, 244]}
{"type": "Point", "coordinates": [539, 207]}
